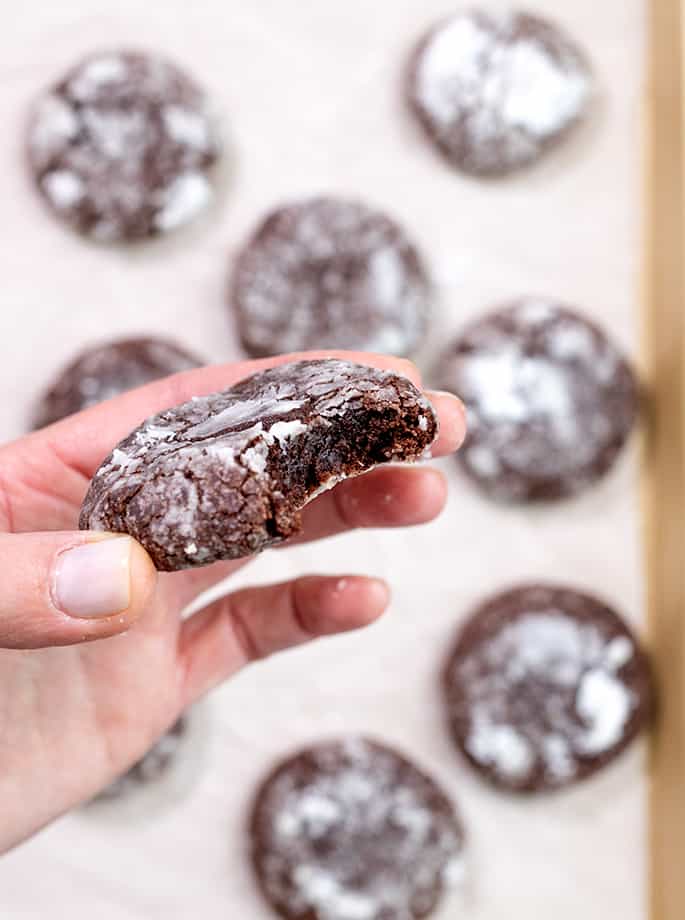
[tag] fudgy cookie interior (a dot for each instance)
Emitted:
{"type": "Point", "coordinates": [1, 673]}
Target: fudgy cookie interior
{"type": "Point", "coordinates": [329, 454]}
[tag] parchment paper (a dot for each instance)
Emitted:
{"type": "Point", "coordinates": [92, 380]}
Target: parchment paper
{"type": "Point", "coordinates": [310, 92]}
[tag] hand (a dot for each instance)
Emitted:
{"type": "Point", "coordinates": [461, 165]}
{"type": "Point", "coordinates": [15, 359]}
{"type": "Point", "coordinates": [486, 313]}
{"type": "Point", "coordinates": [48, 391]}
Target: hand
{"type": "Point", "coordinates": [75, 713]}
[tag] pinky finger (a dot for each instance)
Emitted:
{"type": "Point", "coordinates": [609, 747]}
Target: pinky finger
{"type": "Point", "coordinates": [256, 622]}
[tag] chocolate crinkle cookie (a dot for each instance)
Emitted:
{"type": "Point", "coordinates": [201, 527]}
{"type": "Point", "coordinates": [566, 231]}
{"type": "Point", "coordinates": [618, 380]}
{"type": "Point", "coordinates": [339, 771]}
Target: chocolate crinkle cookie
{"type": "Point", "coordinates": [105, 371]}
{"type": "Point", "coordinates": [121, 147]}
{"type": "Point", "coordinates": [352, 830]}
{"type": "Point", "coordinates": [550, 401]}
{"type": "Point", "coordinates": [227, 475]}
{"type": "Point", "coordinates": [545, 686]}
{"type": "Point", "coordinates": [152, 767]}
{"type": "Point", "coordinates": [494, 91]}
{"type": "Point", "coordinates": [329, 273]}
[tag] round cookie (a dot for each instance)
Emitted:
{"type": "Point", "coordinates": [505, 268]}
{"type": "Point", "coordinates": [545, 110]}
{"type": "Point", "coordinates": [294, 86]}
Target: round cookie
{"type": "Point", "coordinates": [544, 687]}
{"type": "Point", "coordinates": [227, 475]}
{"type": "Point", "coordinates": [121, 147]}
{"type": "Point", "coordinates": [153, 766]}
{"type": "Point", "coordinates": [329, 273]}
{"type": "Point", "coordinates": [352, 830]}
{"type": "Point", "coordinates": [550, 401]}
{"type": "Point", "coordinates": [105, 371]}
{"type": "Point", "coordinates": [493, 92]}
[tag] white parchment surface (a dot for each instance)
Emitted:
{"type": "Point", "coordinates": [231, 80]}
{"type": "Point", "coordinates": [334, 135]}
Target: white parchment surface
{"type": "Point", "coordinates": [310, 93]}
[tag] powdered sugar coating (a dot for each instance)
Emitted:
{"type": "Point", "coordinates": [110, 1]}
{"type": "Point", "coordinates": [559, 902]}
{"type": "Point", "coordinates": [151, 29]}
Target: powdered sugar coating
{"type": "Point", "coordinates": [351, 830]}
{"type": "Point", "coordinates": [227, 475]}
{"type": "Point", "coordinates": [329, 273]}
{"type": "Point", "coordinates": [120, 148]}
{"type": "Point", "coordinates": [106, 370]}
{"type": "Point", "coordinates": [550, 401]}
{"type": "Point", "coordinates": [544, 687]}
{"type": "Point", "coordinates": [494, 91]}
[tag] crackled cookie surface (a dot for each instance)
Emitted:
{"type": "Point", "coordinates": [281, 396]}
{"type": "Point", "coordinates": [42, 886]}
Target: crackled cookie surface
{"type": "Point", "coordinates": [352, 830]}
{"type": "Point", "coordinates": [550, 401]}
{"type": "Point", "coordinates": [227, 475]}
{"type": "Point", "coordinates": [544, 687]}
{"type": "Point", "coordinates": [493, 92]}
{"type": "Point", "coordinates": [107, 370]}
{"type": "Point", "coordinates": [121, 147]}
{"type": "Point", "coordinates": [329, 273]}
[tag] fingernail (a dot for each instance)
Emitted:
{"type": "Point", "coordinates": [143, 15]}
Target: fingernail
{"type": "Point", "coordinates": [445, 394]}
{"type": "Point", "coordinates": [380, 592]}
{"type": "Point", "coordinates": [452, 413]}
{"type": "Point", "coordinates": [376, 589]}
{"type": "Point", "coordinates": [93, 580]}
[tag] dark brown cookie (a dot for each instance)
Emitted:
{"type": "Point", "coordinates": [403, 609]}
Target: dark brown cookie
{"type": "Point", "coordinates": [105, 371]}
{"type": "Point", "coordinates": [227, 475]}
{"type": "Point", "coordinates": [352, 830]}
{"type": "Point", "coordinates": [493, 92]}
{"type": "Point", "coordinates": [120, 148]}
{"type": "Point", "coordinates": [329, 273]}
{"type": "Point", "coordinates": [153, 766]}
{"type": "Point", "coordinates": [550, 401]}
{"type": "Point", "coordinates": [545, 686]}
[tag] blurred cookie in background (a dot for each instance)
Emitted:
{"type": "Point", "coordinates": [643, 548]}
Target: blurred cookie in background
{"type": "Point", "coordinates": [351, 828]}
{"type": "Point", "coordinates": [544, 687]}
{"type": "Point", "coordinates": [107, 370]}
{"type": "Point", "coordinates": [494, 91]}
{"type": "Point", "coordinates": [550, 401]}
{"type": "Point", "coordinates": [164, 776]}
{"type": "Point", "coordinates": [121, 148]}
{"type": "Point", "coordinates": [153, 766]}
{"type": "Point", "coordinates": [329, 273]}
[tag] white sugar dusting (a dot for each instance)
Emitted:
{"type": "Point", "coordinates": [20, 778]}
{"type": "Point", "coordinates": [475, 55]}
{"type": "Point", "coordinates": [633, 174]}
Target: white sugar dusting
{"type": "Point", "coordinates": [96, 73]}
{"type": "Point", "coordinates": [183, 200]}
{"type": "Point", "coordinates": [496, 93]}
{"type": "Point", "coordinates": [283, 431]}
{"type": "Point", "coordinates": [539, 95]}
{"type": "Point", "coordinates": [361, 839]}
{"type": "Point", "coordinates": [255, 458]}
{"type": "Point", "coordinates": [158, 432]}
{"type": "Point", "coordinates": [186, 126]}
{"type": "Point", "coordinates": [242, 411]}
{"type": "Point", "coordinates": [320, 889]}
{"type": "Point", "coordinates": [64, 189]}
{"type": "Point", "coordinates": [605, 704]}
{"type": "Point", "coordinates": [535, 312]}
{"type": "Point", "coordinates": [618, 653]}
{"type": "Point", "coordinates": [543, 690]}
{"type": "Point", "coordinates": [500, 746]}
{"type": "Point", "coordinates": [514, 387]}
{"type": "Point", "coordinates": [451, 67]}
{"type": "Point", "coordinates": [54, 124]}
{"type": "Point", "coordinates": [123, 461]}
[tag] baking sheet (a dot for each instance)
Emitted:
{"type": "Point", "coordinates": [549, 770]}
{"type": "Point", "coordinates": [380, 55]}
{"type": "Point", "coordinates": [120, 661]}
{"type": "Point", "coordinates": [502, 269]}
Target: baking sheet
{"type": "Point", "coordinates": [310, 94]}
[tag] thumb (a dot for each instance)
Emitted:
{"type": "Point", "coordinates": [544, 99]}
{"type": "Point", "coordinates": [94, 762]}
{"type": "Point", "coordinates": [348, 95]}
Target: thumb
{"type": "Point", "coordinates": [65, 588]}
